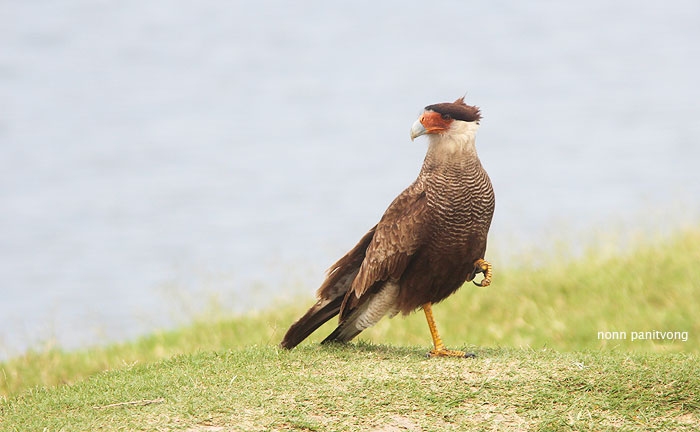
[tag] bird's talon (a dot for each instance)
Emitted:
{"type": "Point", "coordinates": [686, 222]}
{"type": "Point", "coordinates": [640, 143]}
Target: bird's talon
{"type": "Point", "coordinates": [483, 266]}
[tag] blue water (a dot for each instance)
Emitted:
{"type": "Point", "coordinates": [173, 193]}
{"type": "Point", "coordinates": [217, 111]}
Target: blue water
{"type": "Point", "coordinates": [158, 155]}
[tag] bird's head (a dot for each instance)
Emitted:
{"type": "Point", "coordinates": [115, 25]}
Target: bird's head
{"type": "Point", "coordinates": [447, 118]}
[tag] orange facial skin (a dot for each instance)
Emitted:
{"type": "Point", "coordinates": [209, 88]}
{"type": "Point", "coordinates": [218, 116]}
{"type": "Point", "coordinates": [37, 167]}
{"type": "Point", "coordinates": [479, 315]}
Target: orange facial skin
{"type": "Point", "coordinates": [434, 122]}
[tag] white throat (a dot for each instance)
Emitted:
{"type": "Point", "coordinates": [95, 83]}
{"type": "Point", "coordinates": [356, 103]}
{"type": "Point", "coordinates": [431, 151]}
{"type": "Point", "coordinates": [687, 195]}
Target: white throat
{"type": "Point", "coordinates": [459, 138]}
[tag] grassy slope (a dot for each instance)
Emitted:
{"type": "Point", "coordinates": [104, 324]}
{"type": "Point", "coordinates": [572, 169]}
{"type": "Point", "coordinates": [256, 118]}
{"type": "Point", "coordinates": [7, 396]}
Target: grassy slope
{"type": "Point", "coordinates": [555, 303]}
{"type": "Point", "coordinates": [366, 387]}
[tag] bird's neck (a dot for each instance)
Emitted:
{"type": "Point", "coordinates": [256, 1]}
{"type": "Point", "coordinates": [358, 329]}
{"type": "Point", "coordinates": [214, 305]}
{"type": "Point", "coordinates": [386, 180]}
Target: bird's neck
{"type": "Point", "coordinates": [454, 146]}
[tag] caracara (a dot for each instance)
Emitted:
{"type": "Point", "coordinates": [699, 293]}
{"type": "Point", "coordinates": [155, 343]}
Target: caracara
{"type": "Point", "coordinates": [431, 239]}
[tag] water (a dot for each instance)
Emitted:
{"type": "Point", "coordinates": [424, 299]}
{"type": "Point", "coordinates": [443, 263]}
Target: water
{"type": "Point", "coordinates": [156, 155]}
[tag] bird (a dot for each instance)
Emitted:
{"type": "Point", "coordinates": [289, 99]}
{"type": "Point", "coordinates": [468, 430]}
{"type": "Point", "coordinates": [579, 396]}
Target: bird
{"type": "Point", "coordinates": [429, 242]}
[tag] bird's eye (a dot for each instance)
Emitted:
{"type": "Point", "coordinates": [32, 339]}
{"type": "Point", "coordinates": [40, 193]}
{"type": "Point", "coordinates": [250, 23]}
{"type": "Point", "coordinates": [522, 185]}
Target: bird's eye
{"type": "Point", "coordinates": [446, 117]}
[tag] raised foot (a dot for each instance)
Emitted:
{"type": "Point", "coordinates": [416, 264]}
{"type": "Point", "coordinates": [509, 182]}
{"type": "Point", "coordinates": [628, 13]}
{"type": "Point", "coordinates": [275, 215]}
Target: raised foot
{"type": "Point", "coordinates": [483, 266]}
{"type": "Point", "coordinates": [450, 353]}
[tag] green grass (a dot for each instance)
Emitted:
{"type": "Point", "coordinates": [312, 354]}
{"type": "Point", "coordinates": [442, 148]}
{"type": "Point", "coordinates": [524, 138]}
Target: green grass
{"type": "Point", "coordinates": [555, 374]}
{"type": "Point", "coordinates": [368, 387]}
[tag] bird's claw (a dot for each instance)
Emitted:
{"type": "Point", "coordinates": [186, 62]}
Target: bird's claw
{"type": "Point", "coordinates": [483, 266]}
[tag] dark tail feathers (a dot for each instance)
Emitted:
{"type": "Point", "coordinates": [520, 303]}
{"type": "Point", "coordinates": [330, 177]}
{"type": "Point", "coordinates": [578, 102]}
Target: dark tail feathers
{"type": "Point", "coordinates": [331, 294]}
{"type": "Point", "coordinates": [319, 313]}
{"type": "Point", "coordinates": [343, 333]}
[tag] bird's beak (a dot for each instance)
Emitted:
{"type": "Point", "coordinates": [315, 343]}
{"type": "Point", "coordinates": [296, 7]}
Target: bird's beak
{"type": "Point", "coordinates": [417, 130]}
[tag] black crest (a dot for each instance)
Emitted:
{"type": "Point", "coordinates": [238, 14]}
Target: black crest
{"type": "Point", "coordinates": [457, 110]}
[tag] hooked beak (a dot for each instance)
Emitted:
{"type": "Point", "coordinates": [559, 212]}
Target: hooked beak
{"type": "Point", "coordinates": [417, 129]}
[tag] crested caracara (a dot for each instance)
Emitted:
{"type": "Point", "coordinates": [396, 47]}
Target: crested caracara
{"type": "Point", "coordinates": [431, 239]}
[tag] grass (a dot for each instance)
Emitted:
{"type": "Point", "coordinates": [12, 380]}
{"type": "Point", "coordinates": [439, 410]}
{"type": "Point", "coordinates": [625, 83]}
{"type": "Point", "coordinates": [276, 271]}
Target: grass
{"type": "Point", "coordinates": [556, 375]}
{"type": "Point", "coordinates": [375, 387]}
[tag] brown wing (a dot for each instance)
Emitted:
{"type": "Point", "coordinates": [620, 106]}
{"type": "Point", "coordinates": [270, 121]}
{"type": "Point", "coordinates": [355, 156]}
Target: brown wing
{"type": "Point", "coordinates": [340, 275]}
{"type": "Point", "coordinates": [396, 238]}
{"type": "Point", "coordinates": [330, 295]}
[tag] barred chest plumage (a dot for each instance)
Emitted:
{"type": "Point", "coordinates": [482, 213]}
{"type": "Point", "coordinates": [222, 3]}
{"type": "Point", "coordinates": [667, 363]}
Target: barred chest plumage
{"type": "Point", "coordinates": [461, 203]}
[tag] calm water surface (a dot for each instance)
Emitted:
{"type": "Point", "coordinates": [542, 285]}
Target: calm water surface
{"type": "Point", "coordinates": [156, 156]}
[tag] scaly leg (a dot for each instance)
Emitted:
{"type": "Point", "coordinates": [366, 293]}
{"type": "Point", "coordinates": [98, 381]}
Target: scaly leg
{"type": "Point", "coordinates": [439, 350]}
{"type": "Point", "coordinates": [483, 266]}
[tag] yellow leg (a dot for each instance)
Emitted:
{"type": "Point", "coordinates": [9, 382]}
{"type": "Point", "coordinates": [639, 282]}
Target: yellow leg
{"type": "Point", "coordinates": [483, 266]}
{"type": "Point", "coordinates": [439, 350]}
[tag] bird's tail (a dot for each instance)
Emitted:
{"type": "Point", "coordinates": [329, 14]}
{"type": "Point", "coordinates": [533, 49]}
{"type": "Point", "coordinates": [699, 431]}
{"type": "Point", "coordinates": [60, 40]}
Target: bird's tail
{"type": "Point", "coordinates": [330, 294]}
{"type": "Point", "coordinates": [368, 312]}
{"type": "Point", "coordinates": [343, 333]}
{"type": "Point", "coordinates": [322, 311]}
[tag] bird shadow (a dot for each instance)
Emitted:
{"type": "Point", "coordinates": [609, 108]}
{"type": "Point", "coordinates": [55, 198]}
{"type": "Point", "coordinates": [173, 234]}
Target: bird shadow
{"type": "Point", "coordinates": [388, 351]}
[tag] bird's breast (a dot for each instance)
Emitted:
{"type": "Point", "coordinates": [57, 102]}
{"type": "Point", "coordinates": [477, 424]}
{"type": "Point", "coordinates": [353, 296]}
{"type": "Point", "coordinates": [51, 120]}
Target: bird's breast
{"type": "Point", "coordinates": [460, 203]}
